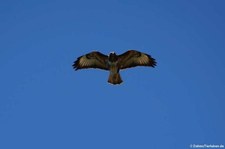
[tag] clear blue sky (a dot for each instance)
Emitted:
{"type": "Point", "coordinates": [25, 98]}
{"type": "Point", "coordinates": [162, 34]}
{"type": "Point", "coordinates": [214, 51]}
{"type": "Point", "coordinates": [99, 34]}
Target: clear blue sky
{"type": "Point", "coordinates": [45, 104]}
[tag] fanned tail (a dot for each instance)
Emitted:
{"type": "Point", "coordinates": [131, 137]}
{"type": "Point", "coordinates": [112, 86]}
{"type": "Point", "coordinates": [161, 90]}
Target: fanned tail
{"type": "Point", "coordinates": [114, 78]}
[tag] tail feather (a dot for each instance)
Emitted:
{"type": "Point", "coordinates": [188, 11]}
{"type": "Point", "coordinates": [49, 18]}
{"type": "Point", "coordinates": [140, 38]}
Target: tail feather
{"type": "Point", "coordinates": [115, 79]}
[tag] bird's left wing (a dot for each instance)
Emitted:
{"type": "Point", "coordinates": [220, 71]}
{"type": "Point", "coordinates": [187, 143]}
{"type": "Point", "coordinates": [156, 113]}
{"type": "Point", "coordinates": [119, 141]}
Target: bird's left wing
{"type": "Point", "coordinates": [133, 58]}
{"type": "Point", "coordinates": [91, 60]}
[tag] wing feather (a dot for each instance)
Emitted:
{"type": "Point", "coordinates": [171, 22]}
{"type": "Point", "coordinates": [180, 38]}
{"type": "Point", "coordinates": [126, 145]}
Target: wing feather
{"type": "Point", "coordinates": [133, 58]}
{"type": "Point", "coordinates": [94, 59]}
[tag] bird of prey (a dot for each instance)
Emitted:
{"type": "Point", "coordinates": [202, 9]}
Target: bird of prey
{"type": "Point", "coordinates": [114, 63]}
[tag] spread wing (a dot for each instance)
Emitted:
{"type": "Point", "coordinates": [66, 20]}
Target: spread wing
{"type": "Point", "coordinates": [91, 60]}
{"type": "Point", "coordinates": [133, 58]}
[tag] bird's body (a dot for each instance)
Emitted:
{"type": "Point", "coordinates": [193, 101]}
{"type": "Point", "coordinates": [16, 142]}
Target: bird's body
{"type": "Point", "coordinates": [114, 63]}
{"type": "Point", "coordinates": [114, 76]}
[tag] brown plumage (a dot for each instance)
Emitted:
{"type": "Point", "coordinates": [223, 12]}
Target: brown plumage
{"type": "Point", "coordinates": [114, 63]}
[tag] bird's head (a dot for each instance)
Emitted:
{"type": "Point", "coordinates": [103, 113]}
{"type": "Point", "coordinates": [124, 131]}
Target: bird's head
{"type": "Point", "coordinates": [113, 57]}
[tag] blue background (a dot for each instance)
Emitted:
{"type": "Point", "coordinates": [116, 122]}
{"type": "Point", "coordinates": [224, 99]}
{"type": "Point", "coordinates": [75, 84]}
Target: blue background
{"type": "Point", "coordinates": [45, 104]}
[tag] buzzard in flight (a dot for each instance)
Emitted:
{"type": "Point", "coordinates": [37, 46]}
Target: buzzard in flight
{"type": "Point", "coordinates": [113, 63]}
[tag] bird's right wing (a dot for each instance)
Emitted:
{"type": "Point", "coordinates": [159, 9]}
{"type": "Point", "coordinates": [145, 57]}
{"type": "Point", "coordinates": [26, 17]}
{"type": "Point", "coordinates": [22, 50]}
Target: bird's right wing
{"type": "Point", "coordinates": [91, 60]}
